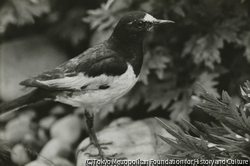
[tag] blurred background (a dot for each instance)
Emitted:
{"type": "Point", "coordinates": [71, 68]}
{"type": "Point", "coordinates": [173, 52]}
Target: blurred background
{"type": "Point", "coordinates": [208, 48]}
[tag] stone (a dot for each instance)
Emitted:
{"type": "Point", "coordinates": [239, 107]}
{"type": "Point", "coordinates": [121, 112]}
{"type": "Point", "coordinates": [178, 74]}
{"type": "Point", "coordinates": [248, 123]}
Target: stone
{"type": "Point", "coordinates": [130, 139]}
{"type": "Point", "coordinates": [38, 163]}
{"type": "Point", "coordinates": [43, 136]}
{"type": "Point", "coordinates": [16, 129]}
{"type": "Point", "coordinates": [47, 122]}
{"type": "Point", "coordinates": [58, 110]}
{"type": "Point", "coordinates": [67, 129]}
{"type": "Point", "coordinates": [56, 148]}
{"type": "Point", "coordinates": [59, 161]}
{"type": "Point", "coordinates": [19, 155]}
{"type": "Point", "coordinates": [56, 161]}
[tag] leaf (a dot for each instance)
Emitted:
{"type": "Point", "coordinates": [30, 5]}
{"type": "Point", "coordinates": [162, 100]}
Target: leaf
{"type": "Point", "coordinates": [206, 80]}
{"type": "Point", "coordinates": [160, 94]}
{"type": "Point", "coordinates": [189, 144]}
{"type": "Point", "coordinates": [245, 41]}
{"type": "Point", "coordinates": [245, 91]}
{"type": "Point", "coordinates": [181, 109]}
{"type": "Point", "coordinates": [157, 60]}
{"type": "Point", "coordinates": [214, 107]}
{"type": "Point", "coordinates": [169, 129]}
{"type": "Point", "coordinates": [20, 12]}
{"type": "Point", "coordinates": [160, 99]}
{"type": "Point", "coordinates": [4, 150]}
{"type": "Point", "coordinates": [172, 143]}
{"type": "Point", "coordinates": [203, 143]}
{"type": "Point", "coordinates": [107, 15]}
{"type": "Point", "coordinates": [178, 10]}
{"type": "Point", "coordinates": [192, 128]}
{"type": "Point", "coordinates": [71, 28]}
{"type": "Point", "coordinates": [204, 49]}
{"type": "Point", "coordinates": [227, 112]}
{"type": "Point", "coordinates": [229, 27]}
{"type": "Point", "coordinates": [209, 130]}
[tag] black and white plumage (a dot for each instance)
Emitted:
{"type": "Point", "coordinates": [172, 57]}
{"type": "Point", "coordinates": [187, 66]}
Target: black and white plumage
{"type": "Point", "coordinates": [94, 79]}
{"type": "Point", "coordinates": [98, 76]}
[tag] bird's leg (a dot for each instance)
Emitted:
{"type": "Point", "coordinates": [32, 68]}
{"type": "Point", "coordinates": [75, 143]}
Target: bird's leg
{"type": "Point", "coordinates": [94, 140]}
{"type": "Point", "coordinates": [90, 124]}
{"type": "Point", "coordinates": [92, 135]}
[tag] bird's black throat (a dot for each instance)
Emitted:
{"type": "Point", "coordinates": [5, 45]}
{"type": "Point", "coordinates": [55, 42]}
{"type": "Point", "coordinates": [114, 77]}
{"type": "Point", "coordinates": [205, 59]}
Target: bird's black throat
{"type": "Point", "coordinates": [129, 46]}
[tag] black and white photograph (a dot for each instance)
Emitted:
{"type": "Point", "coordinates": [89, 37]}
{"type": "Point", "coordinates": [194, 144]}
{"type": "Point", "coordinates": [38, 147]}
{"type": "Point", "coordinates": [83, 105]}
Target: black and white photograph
{"type": "Point", "coordinates": [124, 82]}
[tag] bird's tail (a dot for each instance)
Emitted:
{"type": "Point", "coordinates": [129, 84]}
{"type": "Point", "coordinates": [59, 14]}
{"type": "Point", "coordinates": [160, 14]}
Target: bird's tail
{"type": "Point", "coordinates": [18, 103]}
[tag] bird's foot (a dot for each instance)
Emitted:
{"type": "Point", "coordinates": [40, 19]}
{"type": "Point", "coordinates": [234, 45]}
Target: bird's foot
{"type": "Point", "coordinates": [94, 141]}
{"type": "Point", "coordinates": [106, 157]}
{"type": "Point", "coordinates": [101, 154]}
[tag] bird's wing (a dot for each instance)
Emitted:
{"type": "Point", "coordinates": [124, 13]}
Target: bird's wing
{"type": "Point", "coordinates": [93, 69]}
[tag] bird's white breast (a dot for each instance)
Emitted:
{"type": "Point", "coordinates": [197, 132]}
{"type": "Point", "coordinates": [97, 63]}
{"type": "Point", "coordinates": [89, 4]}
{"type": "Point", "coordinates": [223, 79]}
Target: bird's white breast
{"type": "Point", "coordinates": [97, 98]}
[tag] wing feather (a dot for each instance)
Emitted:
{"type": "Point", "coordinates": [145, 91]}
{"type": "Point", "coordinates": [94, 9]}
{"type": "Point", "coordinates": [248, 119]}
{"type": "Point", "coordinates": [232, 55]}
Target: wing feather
{"type": "Point", "coordinates": [94, 67]}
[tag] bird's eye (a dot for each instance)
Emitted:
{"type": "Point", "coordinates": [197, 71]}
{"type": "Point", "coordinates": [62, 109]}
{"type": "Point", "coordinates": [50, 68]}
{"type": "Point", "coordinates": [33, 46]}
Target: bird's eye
{"type": "Point", "coordinates": [140, 24]}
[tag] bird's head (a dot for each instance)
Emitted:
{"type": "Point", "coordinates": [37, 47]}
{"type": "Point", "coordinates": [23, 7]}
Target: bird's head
{"type": "Point", "coordinates": [136, 24]}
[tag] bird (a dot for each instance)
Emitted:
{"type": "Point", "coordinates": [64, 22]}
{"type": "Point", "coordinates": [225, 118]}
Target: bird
{"type": "Point", "coordinates": [97, 77]}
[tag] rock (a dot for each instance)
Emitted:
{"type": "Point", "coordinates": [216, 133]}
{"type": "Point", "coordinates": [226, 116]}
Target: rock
{"type": "Point", "coordinates": [67, 129]}
{"type": "Point", "coordinates": [56, 161]}
{"type": "Point", "coordinates": [47, 122]}
{"type": "Point", "coordinates": [25, 57]}
{"type": "Point", "coordinates": [58, 110]}
{"type": "Point", "coordinates": [121, 121]}
{"type": "Point", "coordinates": [56, 148]}
{"type": "Point", "coordinates": [37, 163]}
{"type": "Point", "coordinates": [16, 129]}
{"type": "Point", "coordinates": [1, 134]}
{"type": "Point", "coordinates": [19, 155]}
{"type": "Point", "coordinates": [133, 140]}
{"type": "Point", "coordinates": [28, 114]}
{"type": "Point", "coordinates": [43, 136]}
{"type": "Point", "coordinates": [32, 143]}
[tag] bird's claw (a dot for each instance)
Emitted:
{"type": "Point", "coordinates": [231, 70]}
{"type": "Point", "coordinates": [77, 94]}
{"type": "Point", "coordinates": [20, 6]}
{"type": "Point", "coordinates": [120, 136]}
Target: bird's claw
{"type": "Point", "coordinates": [101, 154]}
{"type": "Point", "coordinates": [101, 145]}
{"type": "Point", "coordinates": [106, 157]}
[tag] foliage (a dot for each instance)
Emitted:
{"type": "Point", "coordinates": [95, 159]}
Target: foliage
{"type": "Point", "coordinates": [208, 44]}
{"type": "Point", "coordinates": [21, 12]}
{"type": "Point", "coordinates": [227, 139]}
{"type": "Point", "coordinates": [4, 150]}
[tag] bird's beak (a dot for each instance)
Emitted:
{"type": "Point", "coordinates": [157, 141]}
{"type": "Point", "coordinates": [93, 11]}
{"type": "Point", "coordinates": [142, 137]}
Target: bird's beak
{"type": "Point", "coordinates": [162, 22]}
{"type": "Point", "coordinates": [156, 22]}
